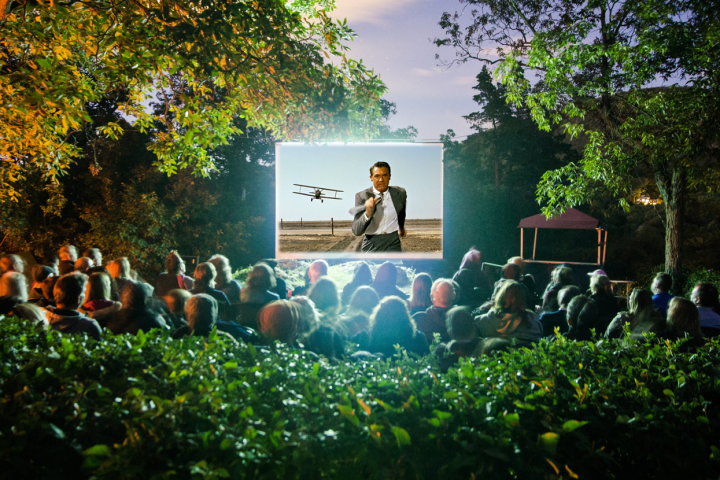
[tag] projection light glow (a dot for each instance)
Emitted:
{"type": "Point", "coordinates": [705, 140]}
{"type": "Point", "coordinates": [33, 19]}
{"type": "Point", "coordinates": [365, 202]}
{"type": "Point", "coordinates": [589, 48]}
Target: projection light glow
{"type": "Point", "coordinates": [317, 187]}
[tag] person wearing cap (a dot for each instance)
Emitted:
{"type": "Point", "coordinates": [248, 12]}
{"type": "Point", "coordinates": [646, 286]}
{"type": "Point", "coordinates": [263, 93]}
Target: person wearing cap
{"type": "Point", "coordinates": [39, 274]}
{"type": "Point", "coordinates": [599, 271]}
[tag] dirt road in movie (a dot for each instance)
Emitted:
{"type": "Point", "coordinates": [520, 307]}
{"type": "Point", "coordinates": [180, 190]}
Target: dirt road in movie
{"type": "Point", "coordinates": [423, 236]}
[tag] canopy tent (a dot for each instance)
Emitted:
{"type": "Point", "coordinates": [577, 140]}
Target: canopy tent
{"type": "Point", "coordinates": [570, 220]}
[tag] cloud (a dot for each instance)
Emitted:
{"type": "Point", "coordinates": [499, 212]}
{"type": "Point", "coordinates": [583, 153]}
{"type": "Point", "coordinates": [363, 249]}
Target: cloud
{"type": "Point", "coordinates": [464, 80]}
{"type": "Point", "coordinates": [425, 72]}
{"type": "Point", "coordinates": [369, 11]}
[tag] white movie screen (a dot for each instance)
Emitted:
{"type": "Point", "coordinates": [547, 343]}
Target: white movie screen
{"type": "Point", "coordinates": [359, 200]}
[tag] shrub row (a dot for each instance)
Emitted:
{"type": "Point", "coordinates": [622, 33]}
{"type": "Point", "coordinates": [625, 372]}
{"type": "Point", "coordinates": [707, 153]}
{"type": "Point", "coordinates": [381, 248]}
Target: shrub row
{"type": "Point", "coordinates": [152, 407]}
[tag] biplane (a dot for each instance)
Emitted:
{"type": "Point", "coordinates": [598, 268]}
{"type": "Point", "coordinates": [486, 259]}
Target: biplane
{"type": "Point", "coordinates": [317, 193]}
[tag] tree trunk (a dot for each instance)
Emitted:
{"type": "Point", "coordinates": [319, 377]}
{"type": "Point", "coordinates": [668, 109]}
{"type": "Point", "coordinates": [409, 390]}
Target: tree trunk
{"type": "Point", "coordinates": [673, 193]}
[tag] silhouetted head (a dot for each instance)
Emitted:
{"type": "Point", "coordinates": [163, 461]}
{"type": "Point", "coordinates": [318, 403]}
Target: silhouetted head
{"type": "Point", "coordinates": [364, 299]}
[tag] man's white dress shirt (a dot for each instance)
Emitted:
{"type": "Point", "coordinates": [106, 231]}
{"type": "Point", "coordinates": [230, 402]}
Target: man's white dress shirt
{"type": "Point", "coordinates": [385, 219]}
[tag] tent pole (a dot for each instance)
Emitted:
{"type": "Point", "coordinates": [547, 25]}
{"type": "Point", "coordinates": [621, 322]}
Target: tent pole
{"type": "Point", "coordinates": [599, 230]}
{"type": "Point", "coordinates": [604, 247]}
{"type": "Point", "coordinates": [534, 244]}
{"type": "Point", "coordinates": [521, 242]}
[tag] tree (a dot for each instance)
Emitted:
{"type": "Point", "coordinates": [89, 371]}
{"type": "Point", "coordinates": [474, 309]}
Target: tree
{"type": "Point", "coordinates": [385, 132]}
{"type": "Point", "coordinates": [261, 61]}
{"type": "Point", "coordinates": [599, 65]}
{"type": "Point", "coordinates": [495, 170]}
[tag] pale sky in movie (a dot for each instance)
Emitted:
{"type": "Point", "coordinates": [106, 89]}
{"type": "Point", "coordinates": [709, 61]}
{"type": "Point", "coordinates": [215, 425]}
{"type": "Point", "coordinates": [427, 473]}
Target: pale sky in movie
{"type": "Point", "coordinates": [394, 40]}
{"type": "Point", "coordinates": [415, 167]}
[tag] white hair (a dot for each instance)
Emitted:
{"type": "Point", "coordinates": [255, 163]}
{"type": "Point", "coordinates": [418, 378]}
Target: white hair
{"type": "Point", "coordinates": [201, 311]}
{"type": "Point", "coordinates": [13, 284]}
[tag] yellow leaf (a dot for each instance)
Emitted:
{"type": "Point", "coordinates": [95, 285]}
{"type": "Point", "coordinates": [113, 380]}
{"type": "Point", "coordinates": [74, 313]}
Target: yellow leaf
{"type": "Point", "coordinates": [570, 472]}
{"type": "Point", "coordinates": [364, 406]}
{"type": "Point", "coordinates": [557, 472]}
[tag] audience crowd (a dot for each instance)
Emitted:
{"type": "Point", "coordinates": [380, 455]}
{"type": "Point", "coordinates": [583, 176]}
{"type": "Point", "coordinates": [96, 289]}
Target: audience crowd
{"type": "Point", "coordinates": [467, 315]}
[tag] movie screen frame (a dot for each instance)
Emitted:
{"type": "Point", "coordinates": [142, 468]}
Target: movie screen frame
{"type": "Point", "coordinates": [316, 187]}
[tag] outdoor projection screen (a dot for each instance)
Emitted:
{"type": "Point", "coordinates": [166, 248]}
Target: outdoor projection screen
{"type": "Point", "coordinates": [311, 227]}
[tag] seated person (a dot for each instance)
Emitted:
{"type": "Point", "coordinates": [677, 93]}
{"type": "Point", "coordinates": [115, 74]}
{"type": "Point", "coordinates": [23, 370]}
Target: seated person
{"type": "Point", "coordinates": [356, 318]}
{"type": "Point", "coordinates": [40, 273]}
{"type": "Point", "coordinates": [432, 320]}
{"type": "Point", "coordinates": [385, 283]}
{"type": "Point", "coordinates": [175, 302]}
{"type": "Point", "coordinates": [582, 316]}
{"type": "Point", "coordinates": [281, 287]}
{"type": "Point", "coordinates": [420, 297]}
{"type": "Point", "coordinates": [472, 261]}
{"type": "Point", "coordinates": [604, 299]}
{"type": "Point", "coordinates": [135, 314]}
{"type": "Point", "coordinates": [119, 269]}
{"type": "Point", "coordinates": [278, 321]}
{"type": "Point", "coordinates": [683, 320]}
{"type": "Point", "coordinates": [48, 287]}
{"type": "Point", "coordinates": [259, 282]}
{"type": "Point", "coordinates": [13, 284]}
{"type": "Point", "coordinates": [173, 277]}
{"type": "Point", "coordinates": [329, 337]}
{"type": "Point", "coordinates": [13, 307]}
{"type": "Point", "coordinates": [325, 296]}
{"type": "Point", "coordinates": [509, 317]}
{"type": "Point", "coordinates": [201, 313]}
{"type": "Point", "coordinates": [552, 320]}
{"type": "Point", "coordinates": [68, 255]}
{"type": "Point", "coordinates": [256, 294]}
{"type": "Point", "coordinates": [97, 299]}
{"type": "Point", "coordinates": [464, 340]}
{"type": "Point", "coordinates": [662, 283]}
{"type": "Point", "coordinates": [317, 269]}
{"type": "Point", "coordinates": [82, 264]}
{"type": "Point", "coordinates": [362, 276]}
{"type": "Point", "coordinates": [561, 276]}
{"type": "Point", "coordinates": [205, 283]}
{"type": "Point", "coordinates": [308, 318]}
{"type": "Point", "coordinates": [69, 295]}
{"type": "Point", "coordinates": [224, 281]}
{"type": "Point", "coordinates": [705, 298]}
{"type": "Point", "coordinates": [390, 325]}
{"type": "Point", "coordinates": [11, 263]}
{"type": "Point", "coordinates": [641, 315]}
{"type": "Point", "coordinates": [95, 255]}
{"type": "Point", "coordinates": [468, 293]}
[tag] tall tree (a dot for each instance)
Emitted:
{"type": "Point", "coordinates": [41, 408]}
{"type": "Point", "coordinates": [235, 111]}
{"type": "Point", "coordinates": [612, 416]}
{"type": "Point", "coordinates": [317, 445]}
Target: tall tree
{"type": "Point", "coordinates": [261, 61]}
{"type": "Point", "coordinates": [637, 80]}
{"type": "Point", "coordinates": [496, 169]}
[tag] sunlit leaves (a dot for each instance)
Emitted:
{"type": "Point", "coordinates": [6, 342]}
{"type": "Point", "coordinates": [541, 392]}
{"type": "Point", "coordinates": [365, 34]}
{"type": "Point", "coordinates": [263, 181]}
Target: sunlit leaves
{"type": "Point", "coordinates": [260, 60]}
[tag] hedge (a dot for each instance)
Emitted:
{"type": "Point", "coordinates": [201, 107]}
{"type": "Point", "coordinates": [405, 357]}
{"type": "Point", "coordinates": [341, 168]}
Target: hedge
{"type": "Point", "coordinates": [153, 407]}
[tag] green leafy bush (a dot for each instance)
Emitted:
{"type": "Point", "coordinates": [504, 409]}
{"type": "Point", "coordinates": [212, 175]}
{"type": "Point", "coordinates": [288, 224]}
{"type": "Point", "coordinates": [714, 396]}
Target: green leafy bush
{"type": "Point", "coordinates": [699, 275]}
{"type": "Point", "coordinates": [152, 407]}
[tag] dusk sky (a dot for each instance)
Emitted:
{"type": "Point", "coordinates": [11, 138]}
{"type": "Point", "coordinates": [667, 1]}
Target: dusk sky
{"type": "Point", "coordinates": [394, 40]}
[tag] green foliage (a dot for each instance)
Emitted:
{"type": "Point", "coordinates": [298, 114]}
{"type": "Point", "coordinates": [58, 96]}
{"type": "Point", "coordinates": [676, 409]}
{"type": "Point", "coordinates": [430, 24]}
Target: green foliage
{"type": "Point", "coordinates": [130, 224]}
{"type": "Point", "coordinates": [635, 82]}
{"type": "Point", "coordinates": [495, 170]}
{"type": "Point", "coordinates": [152, 407]}
{"type": "Point", "coordinates": [703, 275]}
{"type": "Point", "coordinates": [219, 61]}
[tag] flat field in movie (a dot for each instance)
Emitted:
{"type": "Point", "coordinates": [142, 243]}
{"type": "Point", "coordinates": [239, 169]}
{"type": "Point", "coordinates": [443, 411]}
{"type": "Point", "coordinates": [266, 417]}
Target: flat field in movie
{"type": "Point", "coordinates": [316, 186]}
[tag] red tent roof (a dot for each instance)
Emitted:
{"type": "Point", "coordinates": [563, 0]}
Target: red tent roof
{"type": "Point", "coordinates": [570, 220]}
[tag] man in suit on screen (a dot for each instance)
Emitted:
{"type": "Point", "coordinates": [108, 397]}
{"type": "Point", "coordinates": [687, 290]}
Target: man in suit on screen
{"type": "Point", "coordinates": [380, 213]}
